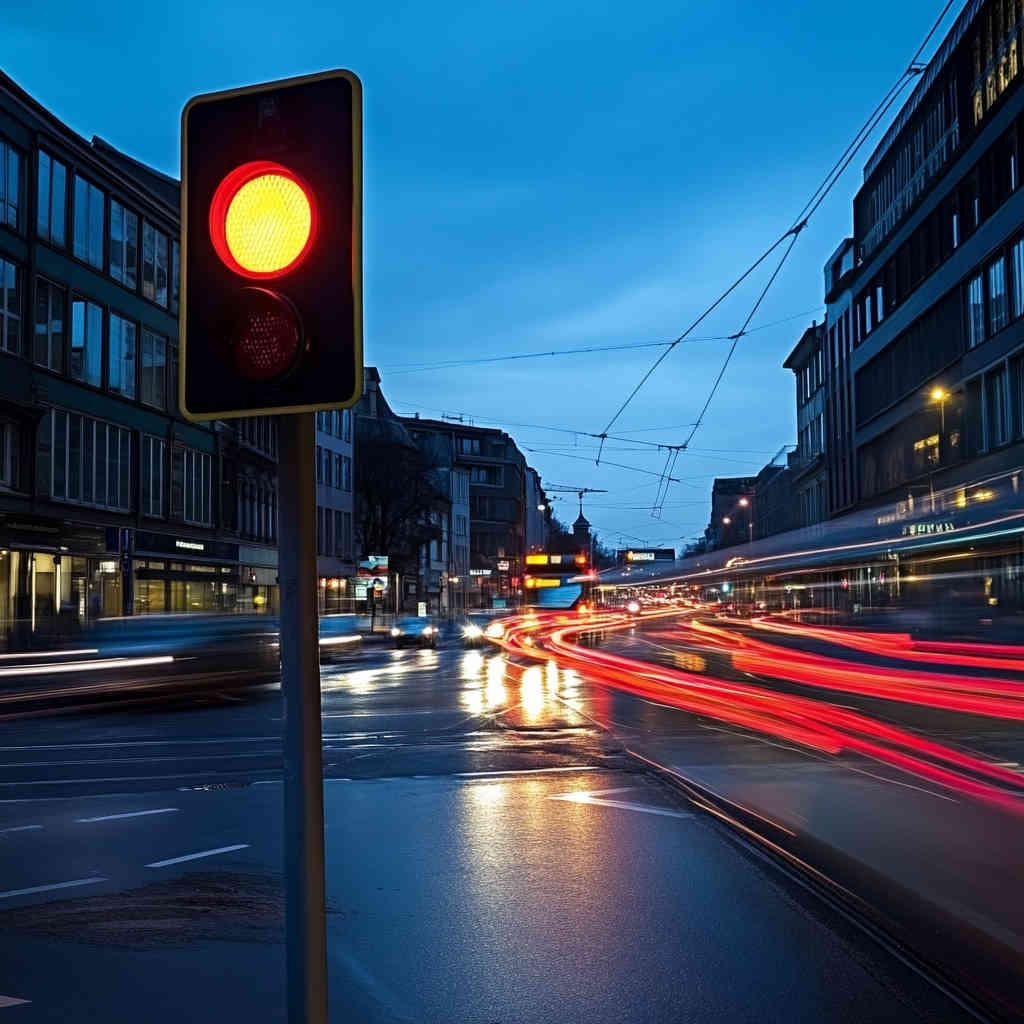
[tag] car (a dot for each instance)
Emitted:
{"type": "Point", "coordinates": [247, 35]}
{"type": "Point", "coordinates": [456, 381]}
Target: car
{"type": "Point", "coordinates": [415, 632]}
{"type": "Point", "coordinates": [473, 630]}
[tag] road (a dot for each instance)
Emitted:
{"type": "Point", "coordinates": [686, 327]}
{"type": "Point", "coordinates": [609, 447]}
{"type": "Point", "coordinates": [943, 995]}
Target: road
{"type": "Point", "coordinates": [492, 855]}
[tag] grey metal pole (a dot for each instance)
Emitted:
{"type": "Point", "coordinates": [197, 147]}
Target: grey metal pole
{"type": "Point", "coordinates": [303, 754]}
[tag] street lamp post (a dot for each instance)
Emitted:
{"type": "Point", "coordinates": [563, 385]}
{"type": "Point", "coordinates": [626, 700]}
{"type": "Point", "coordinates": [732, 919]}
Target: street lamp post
{"type": "Point", "coordinates": [940, 395]}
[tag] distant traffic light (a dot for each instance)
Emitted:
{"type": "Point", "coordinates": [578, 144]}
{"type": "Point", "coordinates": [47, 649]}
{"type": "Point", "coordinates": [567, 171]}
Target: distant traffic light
{"type": "Point", "coordinates": [271, 271]}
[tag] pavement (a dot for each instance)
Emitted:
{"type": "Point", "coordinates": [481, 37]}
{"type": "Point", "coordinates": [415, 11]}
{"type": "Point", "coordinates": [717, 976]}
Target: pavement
{"type": "Point", "coordinates": [493, 855]}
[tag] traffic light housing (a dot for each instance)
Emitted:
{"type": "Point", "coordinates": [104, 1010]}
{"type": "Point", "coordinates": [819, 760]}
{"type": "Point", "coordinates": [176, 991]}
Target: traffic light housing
{"type": "Point", "coordinates": [271, 265]}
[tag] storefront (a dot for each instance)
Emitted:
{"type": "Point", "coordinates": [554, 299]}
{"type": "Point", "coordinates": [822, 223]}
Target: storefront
{"type": "Point", "coordinates": [55, 577]}
{"type": "Point", "coordinates": [185, 574]}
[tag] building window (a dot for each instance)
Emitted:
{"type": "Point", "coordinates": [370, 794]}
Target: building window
{"type": "Point", "coordinates": [998, 307]}
{"type": "Point", "coordinates": [328, 474]}
{"type": "Point", "coordinates": [154, 264]}
{"type": "Point", "coordinates": [1017, 277]}
{"type": "Point", "coordinates": [154, 369]}
{"type": "Point", "coordinates": [468, 445]}
{"type": "Point", "coordinates": [89, 202]}
{"type": "Point", "coordinates": [491, 475]}
{"type": "Point", "coordinates": [346, 424]}
{"type": "Point", "coordinates": [190, 485]}
{"type": "Point", "coordinates": [997, 428]}
{"type": "Point", "coordinates": [10, 307]}
{"type": "Point", "coordinates": [121, 356]}
{"type": "Point", "coordinates": [10, 454]}
{"type": "Point", "coordinates": [152, 476]}
{"type": "Point", "coordinates": [48, 349]}
{"type": "Point", "coordinates": [879, 303]}
{"type": "Point", "coordinates": [10, 185]}
{"type": "Point", "coordinates": [172, 376]}
{"type": "Point", "coordinates": [175, 276]}
{"type": "Point", "coordinates": [86, 342]}
{"type": "Point", "coordinates": [51, 212]}
{"type": "Point", "coordinates": [975, 312]}
{"type": "Point", "coordinates": [319, 464]}
{"type": "Point", "coordinates": [124, 245]}
{"type": "Point", "coordinates": [346, 473]}
{"type": "Point", "coordinates": [88, 461]}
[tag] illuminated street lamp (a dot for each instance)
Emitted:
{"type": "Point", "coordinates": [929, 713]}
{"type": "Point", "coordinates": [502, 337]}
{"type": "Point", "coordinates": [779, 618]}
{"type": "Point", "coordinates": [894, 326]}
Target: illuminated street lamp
{"type": "Point", "coordinates": [542, 508]}
{"type": "Point", "coordinates": [744, 502]}
{"type": "Point", "coordinates": [727, 520]}
{"type": "Point", "coordinates": [940, 395]}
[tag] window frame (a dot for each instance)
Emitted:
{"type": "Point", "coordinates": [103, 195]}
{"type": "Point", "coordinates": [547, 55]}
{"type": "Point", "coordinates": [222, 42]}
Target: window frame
{"type": "Point", "coordinates": [6, 316]}
{"type": "Point", "coordinates": [48, 235]}
{"type": "Point", "coordinates": [112, 315]}
{"type": "Point", "coordinates": [77, 297]}
{"type": "Point", "coordinates": [90, 187]}
{"type": "Point", "coordinates": [52, 287]}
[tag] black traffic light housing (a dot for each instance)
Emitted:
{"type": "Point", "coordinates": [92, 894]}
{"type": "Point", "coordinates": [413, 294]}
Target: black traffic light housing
{"type": "Point", "coordinates": [271, 270]}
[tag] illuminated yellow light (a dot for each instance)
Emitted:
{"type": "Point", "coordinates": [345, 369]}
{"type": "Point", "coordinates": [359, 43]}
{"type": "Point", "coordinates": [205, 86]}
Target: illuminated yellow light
{"type": "Point", "coordinates": [268, 223]}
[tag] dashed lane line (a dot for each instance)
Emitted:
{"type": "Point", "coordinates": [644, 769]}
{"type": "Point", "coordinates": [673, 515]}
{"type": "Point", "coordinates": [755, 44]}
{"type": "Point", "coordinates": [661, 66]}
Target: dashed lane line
{"type": "Point", "coordinates": [48, 888]}
{"type": "Point", "coordinates": [11, 1001]}
{"type": "Point", "coordinates": [196, 856]}
{"type": "Point", "coordinates": [128, 814]}
{"type": "Point", "coordinates": [20, 828]}
{"type": "Point", "coordinates": [593, 800]}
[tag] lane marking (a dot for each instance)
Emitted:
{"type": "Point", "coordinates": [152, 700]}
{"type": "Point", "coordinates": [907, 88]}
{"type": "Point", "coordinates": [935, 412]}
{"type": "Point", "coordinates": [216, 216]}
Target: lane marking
{"type": "Point", "coordinates": [20, 828]}
{"type": "Point", "coordinates": [587, 794]}
{"type": "Point", "coordinates": [128, 814]}
{"type": "Point", "coordinates": [11, 1001]}
{"type": "Point", "coordinates": [625, 805]}
{"type": "Point", "coordinates": [197, 856]}
{"type": "Point", "coordinates": [84, 666]}
{"type": "Point", "coordinates": [48, 888]}
{"type": "Point", "coordinates": [534, 771]}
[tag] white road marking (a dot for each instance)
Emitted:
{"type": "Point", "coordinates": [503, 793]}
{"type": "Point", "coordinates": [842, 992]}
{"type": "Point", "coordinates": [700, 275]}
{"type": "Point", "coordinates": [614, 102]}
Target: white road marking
{"type": "Point", "coordinates": [531, 771]}
{"type": "Point", "coordinates": [588, 798]}
{"type": "Point", "coordinates": [11, 1001]}
{"type": "Point", "coordinates": [197, 856]}
{"type": "Point", "coordinates": [20, 828]}
{"type": "Point", "coordinates": [85, 666]}
{"type": "Point", "coordinates": [129, 814]}
{"type": "Point", "coordinates": [583, 795]}
{"type": "Point", "coordinates": [47, 888]}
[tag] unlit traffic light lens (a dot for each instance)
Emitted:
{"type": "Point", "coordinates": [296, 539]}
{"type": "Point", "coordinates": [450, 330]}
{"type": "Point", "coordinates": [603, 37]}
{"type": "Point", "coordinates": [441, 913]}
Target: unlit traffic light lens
{"type": "Point", "coordinates": [266, 341]}
{"type": "Point", "coordinates": [262, 220]}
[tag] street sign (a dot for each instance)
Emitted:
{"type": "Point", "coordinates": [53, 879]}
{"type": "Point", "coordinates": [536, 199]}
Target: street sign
{"type": "Point", "coordinates": [271, 259]}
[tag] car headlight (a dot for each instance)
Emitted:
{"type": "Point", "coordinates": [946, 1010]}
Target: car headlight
{"type": "Point", "coordinates": [427, 630]}
{"type": "Point", "coordinates": [633, 607]}
{"type": "Point", "coordinates": [472, 632]}
{"type": "Point", "coordinates": [395, 631]}
{"type": "Point", "coordinates": [495, 631]}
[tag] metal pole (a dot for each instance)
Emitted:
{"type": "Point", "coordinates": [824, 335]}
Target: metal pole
{"type": "Point", "coordinates": [303, 754]}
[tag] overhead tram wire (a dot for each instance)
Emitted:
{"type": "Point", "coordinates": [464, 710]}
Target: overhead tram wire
{"type": "Point", "coordinates": [812, 205]}
{"type": "Point", "coordinates": [448, 364]}
{"type": "Point", "coordinates": [912, 70]}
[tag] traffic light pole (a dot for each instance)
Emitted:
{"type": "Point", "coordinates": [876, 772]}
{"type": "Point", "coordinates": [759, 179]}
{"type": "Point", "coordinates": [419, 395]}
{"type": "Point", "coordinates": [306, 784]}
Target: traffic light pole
{"type": "Point", "coordinates": [303, 752]}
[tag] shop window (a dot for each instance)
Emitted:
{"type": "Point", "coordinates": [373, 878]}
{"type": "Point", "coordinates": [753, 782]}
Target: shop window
{"type": "Point", "coordinates": [10, 307]}
{"type": "Point", "coordinates": [51, 207]}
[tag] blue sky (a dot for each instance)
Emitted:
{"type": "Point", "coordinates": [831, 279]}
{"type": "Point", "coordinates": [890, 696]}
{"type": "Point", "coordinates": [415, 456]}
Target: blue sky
{"type": "Point", "coordinates": [538, 176]}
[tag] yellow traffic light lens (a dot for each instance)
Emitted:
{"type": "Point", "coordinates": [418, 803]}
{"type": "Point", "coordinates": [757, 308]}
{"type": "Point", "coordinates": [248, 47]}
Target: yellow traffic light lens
{"type": "Point", "coordinates": [268, 223]}
{"type": "Point", "coordinates": [262, 220]}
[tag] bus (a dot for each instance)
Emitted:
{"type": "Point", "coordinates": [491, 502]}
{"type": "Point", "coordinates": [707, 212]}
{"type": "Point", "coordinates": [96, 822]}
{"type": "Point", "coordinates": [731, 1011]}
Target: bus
{"type": "Point", "coordinates": [557, 582]}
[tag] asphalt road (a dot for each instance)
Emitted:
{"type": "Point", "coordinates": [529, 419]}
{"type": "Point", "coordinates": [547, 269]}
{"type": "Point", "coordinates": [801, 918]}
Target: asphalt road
{"type": "Point", "coordinates": [493, 856]}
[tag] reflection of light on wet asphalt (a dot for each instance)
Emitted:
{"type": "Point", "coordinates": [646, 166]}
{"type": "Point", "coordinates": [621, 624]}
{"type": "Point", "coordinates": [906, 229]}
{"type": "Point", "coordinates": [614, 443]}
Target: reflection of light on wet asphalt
{"type": "Point", "coordinates": [488, 795]}
{"type": "Point", "coordinates": [496, 693]}
{"type": "Point", "coordinates": [551, 671]}
{"type": "Point", "coordinates": [532, 688]}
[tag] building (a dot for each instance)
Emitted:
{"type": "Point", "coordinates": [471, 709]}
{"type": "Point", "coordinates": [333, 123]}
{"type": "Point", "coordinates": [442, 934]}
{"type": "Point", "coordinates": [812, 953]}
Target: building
{"type": "Point", "coordinates": [536, 508]}
{"type": "Point", "coordinates": [732, 512]}
{"type": "Point", "coordinates": [504, 500]}
{"type": "Point", "coordinates": [807, 465]}
{"type": "Point", "coordinates": [774, 503]}
{"type": "Point", "coordinates": [935, 325]}
{"type": "Point", "coordinates": [335, 563]}
{"type": "Point", "coordinates": [110, 503]}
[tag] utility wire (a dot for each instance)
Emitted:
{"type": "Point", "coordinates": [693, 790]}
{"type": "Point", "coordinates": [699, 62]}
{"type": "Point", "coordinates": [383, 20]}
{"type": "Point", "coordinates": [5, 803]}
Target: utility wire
{"type": "Point", "coordinates": [812, 205]}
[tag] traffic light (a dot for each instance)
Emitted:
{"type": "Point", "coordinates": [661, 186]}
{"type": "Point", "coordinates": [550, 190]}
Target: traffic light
{"type": "Point", "coordinates": [271, 268]}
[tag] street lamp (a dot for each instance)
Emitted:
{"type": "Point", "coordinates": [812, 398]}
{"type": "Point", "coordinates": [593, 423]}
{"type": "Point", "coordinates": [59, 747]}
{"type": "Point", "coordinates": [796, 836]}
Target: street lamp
{"type": "Point", "coordinates": [744, 502]}
{"type": "Point", "coordinates": [940, 395]}
{"type": "Point", "coordinates": [542, 508]}
{"type": "Point", "coordinates": [727, 520]}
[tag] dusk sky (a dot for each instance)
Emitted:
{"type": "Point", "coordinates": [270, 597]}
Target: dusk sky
{"type": "Point", "coordinates": [544, 176]}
